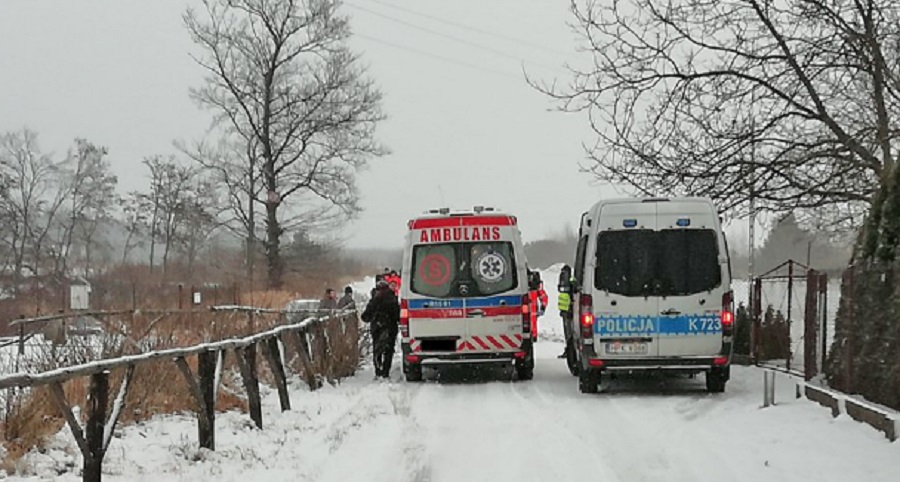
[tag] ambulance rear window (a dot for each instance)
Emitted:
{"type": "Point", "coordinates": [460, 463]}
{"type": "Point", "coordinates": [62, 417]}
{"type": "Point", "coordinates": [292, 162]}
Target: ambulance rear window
{"type": "Point", "coordinates": [434, 269]}
{"type": "Point", "coordinates": [492, 267]}
{"type": "Point", "coordinates": [463, 270]}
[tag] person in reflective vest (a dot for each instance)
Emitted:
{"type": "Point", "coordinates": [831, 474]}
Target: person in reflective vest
{"type": "Point", "coordinates": [564, 304]}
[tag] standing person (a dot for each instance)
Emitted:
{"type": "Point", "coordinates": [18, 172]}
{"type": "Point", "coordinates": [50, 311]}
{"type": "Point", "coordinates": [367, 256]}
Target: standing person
{"type": "Point", "coordinates": [346, 302]}
{"type": "Point", "coordinates": [538, 300]}
{"type": "Point", "coordinates": [329, 302]}
{"type": "Point", "coordinates": [382, 313]}
{"type": "Point", "coordinates": [393, 280]}
{"type": "Point", "coordinates": [564, 304]}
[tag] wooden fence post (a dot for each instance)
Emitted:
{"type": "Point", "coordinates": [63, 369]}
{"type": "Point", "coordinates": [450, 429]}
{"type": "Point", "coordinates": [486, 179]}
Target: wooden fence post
{"type": "Point", "coordinates": [273, 356]}
{"type": "Point", "coordinates": [94, 439]}
{"type": "Point", "coordinates": [246, 360]}
{"type": "Point", "coordinates": [309, 372]}
{"type": "Point", "coordinates": [205, 425]}
{"type": "Point", "coordinates": [320, 347]}
{"type": "Point", "coordinates": [206, 372]}
{"type": "Point", "coordinates": [96, 426]}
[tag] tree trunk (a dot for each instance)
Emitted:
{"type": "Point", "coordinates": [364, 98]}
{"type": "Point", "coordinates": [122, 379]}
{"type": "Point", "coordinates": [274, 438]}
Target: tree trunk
{"type": "Point", "coordinates": [127, 248]}
{"type": "Point", "coordinates": [273, 246]}
{"type": "Point", "coordinates": [251, 225]}
{"type": "Point", "coordinates": [153, 220]}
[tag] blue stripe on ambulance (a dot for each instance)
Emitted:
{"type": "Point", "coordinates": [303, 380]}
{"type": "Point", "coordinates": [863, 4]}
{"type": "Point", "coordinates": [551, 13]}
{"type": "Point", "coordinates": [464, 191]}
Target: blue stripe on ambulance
{"type": "Point", "coordinates": [639, 325]}
{"type": "Point", "coordinates": [503, 300]}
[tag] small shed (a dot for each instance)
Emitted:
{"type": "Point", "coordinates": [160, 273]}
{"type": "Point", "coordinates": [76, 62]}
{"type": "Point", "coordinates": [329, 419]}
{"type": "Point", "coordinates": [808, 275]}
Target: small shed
{"type": "Point", "coordinates": [79, 294]}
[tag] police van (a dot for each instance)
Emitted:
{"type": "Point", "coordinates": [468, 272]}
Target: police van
{"type": "Point", "coordinates": [653, 290]}
{"type": "Point", "coordinates": [464, 297]}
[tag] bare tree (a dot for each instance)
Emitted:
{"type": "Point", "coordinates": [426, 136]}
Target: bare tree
{"type": "Point", "coordinates": [30, 203]}
{"type": "Point", "coordinates": [201, 218]}
{"type": "Point", "coordinates": [796, 103]}
{"type": "Point", "coordinates": [287, 88]}
{"type": "Point", "coordinates": [136, 220]}
{"type": "Point", "coordinates": [89, 188]}
{"type": "Point", "coordinates": [166, 203]}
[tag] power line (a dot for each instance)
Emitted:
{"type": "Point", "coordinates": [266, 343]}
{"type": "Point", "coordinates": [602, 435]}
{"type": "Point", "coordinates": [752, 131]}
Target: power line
{"type": "Point", "coordinates": [451, 37]}
{"type": "Point", "coordinates": [471, 28]}
{"type": "Point", "coordinates": [437, 57]}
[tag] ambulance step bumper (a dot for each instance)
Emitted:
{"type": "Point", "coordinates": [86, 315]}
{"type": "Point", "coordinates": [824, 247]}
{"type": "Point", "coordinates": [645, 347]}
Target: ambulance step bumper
{"type": "Point", "coordinates": [455, 359]}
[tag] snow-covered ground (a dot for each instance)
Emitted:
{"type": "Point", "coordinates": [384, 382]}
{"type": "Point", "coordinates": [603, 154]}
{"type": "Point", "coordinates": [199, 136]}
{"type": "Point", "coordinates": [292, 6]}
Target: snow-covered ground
{"type": "Point", "coordinates": [487, 428]}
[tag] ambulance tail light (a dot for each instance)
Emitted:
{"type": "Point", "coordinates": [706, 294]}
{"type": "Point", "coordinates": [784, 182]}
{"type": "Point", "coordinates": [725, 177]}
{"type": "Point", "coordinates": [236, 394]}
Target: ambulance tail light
{"type": "Point", "coordinates": [728, 313]}
{"type": "Point", "coordinates": [404, 318]}
{"type": "Point", "coordinates": [586, 308]}
{"type": "Point", "coordinates": [526, 313]}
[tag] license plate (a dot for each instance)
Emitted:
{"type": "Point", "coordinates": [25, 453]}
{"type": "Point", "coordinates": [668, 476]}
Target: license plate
{"type": "Point", "coordinates": [627, 348]}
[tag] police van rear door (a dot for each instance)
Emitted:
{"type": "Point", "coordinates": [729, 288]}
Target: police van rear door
{"type": "Point", "coordinates": [690, 279]}
{"type": "Point", "coordinates": [624, 308]}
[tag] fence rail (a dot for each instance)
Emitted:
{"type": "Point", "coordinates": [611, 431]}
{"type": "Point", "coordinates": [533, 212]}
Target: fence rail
{"type": "Point", "coordinates": [325, 345]}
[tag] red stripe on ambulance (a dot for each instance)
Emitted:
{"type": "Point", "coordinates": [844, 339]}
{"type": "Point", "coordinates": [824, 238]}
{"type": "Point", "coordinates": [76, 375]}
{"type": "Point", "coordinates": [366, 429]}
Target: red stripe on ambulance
{"type": "Point", "coordinates": [452, 221]}
{"type": "Point", "coordinates": [483, 344]}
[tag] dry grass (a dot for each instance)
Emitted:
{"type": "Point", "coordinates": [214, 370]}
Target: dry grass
{"type": "Point", "coordinates": [158, 387]}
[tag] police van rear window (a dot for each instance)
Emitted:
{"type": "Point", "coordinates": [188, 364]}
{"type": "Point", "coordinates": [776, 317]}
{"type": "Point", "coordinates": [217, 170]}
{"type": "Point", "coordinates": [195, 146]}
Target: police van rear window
{"type": "Point", "coordinates": [463, 270]}
{"type": "Point", "coordinates": [670, 262]}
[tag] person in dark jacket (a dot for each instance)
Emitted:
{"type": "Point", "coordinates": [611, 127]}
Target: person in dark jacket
{"type": "Point", "coordinates": [329, 302]}
{"type": "Point", "coordinates": [346, 302]}
{"type": "Point", "coordinates": [382, 313]}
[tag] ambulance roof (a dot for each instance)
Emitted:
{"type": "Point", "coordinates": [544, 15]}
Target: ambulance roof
{"type": "Point", "coordinates": [479, 215]}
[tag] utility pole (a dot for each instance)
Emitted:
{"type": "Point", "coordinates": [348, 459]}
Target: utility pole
{"type": "Point", "coordinates": [752, 228]}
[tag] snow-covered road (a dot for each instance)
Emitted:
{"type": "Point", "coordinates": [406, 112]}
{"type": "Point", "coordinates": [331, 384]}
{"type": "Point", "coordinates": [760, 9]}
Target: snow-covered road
{"type": "Point", "coordinates": [487, 428]}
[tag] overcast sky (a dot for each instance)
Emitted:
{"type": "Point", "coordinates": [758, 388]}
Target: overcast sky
{"type": "Point", "coordinates": [464, 127]}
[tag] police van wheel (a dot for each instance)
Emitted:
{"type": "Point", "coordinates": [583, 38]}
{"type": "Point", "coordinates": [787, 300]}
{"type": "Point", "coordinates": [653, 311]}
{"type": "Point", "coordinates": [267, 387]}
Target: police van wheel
{"type": "Point", "coordinates": [572, 359]}
{"type": "Point", "coordinates": [589, 381]}
{"type": "Point", "coordinates": [715, 381]}
{"type": "Point", "coordinates": [413, 373]}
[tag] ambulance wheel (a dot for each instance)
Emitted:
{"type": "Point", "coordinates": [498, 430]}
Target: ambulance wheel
{"type": "Point", "coordinates": [524, 371]}
{"type": "Point", "coordinates": [715, 381]}
{"type": "Point", "coordinates": [413, 372]}
{"type": "Point", "coordinates": [572, 358]}
{"type": "Point", "coordinates": [525, 366]}
{"type": "Point", "coordinates": [588, 381]}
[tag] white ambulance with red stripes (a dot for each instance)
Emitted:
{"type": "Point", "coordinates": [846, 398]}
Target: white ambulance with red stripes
{"type": "Point", "coordinates": [464, 297]}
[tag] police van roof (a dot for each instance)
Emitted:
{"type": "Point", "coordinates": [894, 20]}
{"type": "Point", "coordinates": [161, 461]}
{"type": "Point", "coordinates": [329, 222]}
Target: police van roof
{"type": "Point", "coordinates": [633, 200]}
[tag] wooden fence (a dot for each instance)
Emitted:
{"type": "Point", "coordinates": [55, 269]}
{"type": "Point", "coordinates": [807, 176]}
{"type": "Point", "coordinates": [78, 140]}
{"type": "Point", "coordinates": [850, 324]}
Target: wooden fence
{"type": "Point", "coordinates": [326, 345]}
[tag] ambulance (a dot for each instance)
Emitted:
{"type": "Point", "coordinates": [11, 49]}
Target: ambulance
{"type": "Point", "coordinates": [464, 298]}
{"type": "Point", "coordinates": [653, 290]}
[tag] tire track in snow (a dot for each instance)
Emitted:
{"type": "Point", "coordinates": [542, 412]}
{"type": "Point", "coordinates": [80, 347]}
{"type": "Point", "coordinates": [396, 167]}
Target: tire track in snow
{"type": "Point", "coordinates": [414, 457]}
{"type": "Point", "coordinates": [374, 436]}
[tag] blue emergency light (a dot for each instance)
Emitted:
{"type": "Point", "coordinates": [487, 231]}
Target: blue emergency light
{"type": "Point", "coordinates": [683, 222]}
{"type": "Point", "coordinates": [629, 223]}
